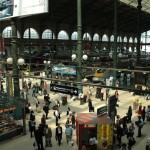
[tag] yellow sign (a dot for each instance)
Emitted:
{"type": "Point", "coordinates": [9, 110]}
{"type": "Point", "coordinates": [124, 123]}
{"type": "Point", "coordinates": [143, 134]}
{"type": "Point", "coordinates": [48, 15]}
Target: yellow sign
{"type": "Point", "coordinates": [105, 134]}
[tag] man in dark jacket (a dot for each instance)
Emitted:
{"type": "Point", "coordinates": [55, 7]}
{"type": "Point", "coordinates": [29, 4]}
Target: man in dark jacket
{"type": "Point", "coordinates": [129, 114]}
{"type": "Point", "coordinates": [39, 138]}
{"type": "Point", "coordinates": [59, 134]}
{"type": "Point", "coordinates": [90, 105]}
{"type": "Point", "coordinates": [31, 127]}
{"type": "Point", "coordinates": [46, 110]}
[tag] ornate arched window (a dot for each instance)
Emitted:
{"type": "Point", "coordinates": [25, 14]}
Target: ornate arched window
{"type": "Point", "coordinates": [62, 35]}
{"type": "Point", "coordinates": [47, 34]}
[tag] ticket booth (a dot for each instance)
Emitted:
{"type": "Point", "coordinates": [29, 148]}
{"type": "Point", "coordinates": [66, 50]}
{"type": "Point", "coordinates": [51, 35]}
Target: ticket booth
{"type": "Point", "coordinates": [89, 124]}
{"type": "Point", "coordinates": [104, 132]}
{"type": "Point", "coordinates": [86, 126]}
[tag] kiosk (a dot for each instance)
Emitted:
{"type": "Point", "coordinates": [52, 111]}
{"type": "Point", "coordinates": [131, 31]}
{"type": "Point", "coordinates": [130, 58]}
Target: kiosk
{"type": "Point", "coordinates": [104, 132]}
{"type": "Point", "coordinates": [89, 125]}
{"type": "Point", "coordinates": [85, 128]}
{"type": "Point", "coordinates": [8, 126]}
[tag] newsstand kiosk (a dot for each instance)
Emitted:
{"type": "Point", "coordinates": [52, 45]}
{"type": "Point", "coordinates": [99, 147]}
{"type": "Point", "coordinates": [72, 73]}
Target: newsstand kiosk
{"type": "Point", "coordinates": [88, 124]}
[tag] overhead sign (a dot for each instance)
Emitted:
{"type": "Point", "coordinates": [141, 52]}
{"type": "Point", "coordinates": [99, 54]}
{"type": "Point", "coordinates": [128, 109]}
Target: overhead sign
{"type": "Point", "coordinates": [64, 89]}
{"type": "Point", "coordinates": [17, 8]}
{"type": "Point", "coordinates": [71, 70]}
{"type": "Point", "coordinates": [101, 111]}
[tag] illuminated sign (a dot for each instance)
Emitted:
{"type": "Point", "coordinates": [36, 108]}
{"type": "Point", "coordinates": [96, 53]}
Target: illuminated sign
{"type": "Point", "coordinates": [64, 69]}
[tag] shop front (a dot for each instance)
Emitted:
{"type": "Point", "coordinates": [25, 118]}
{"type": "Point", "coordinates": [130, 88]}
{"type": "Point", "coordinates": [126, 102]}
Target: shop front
{"type": "Point", "coordinates": [8, 125]}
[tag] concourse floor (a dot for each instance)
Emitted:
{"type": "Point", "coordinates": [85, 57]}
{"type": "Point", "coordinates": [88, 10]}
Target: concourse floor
{"type": "Point", "coordinates": [25, 142]}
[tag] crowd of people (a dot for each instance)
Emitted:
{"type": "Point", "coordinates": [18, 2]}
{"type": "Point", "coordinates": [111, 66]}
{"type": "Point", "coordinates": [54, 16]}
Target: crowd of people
{"type": "Point", "coordinates": [124, 126]}
{"type": "Point", "coordinates": [39, 131]}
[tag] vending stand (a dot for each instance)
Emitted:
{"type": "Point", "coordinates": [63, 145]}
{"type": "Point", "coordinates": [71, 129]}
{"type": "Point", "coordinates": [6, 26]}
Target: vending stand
{"type": "Point", "coordinates": [104, 132]}
{"type": "Point", "coordinates": [8, 126]}
{"type": "Point", "coordinates": [88, 125]}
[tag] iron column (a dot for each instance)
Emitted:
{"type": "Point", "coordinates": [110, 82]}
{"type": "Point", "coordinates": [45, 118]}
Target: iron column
{"type": "Point", "coordinates": [15, 59]}
{"type": "Point", "coordinates": [139, 31]}
{"type": "Point", "coordinates": [79, 44]}
{"type": "Point", "coordinates": [115, 40]}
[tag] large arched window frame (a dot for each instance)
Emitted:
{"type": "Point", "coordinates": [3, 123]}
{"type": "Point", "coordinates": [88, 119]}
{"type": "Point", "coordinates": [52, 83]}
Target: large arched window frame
{"type": "Point", "coordinates": [130, 40]}
{"type": "Point", "coordinates": [105, 38]}
{"type": "Point", "coordinates": [119, 39]}
{"type": "Point", "coordinates": [87, 36]}
{"type": "Point", "coordinates": [74, 36]}
{"type": "Point", "coordinates": [125, 39]}
{"type": "Point", "coordinates": [112, 38]}
{"type": "Point", "coordinates": [7, 32]}
{"type": "Point", "coordinates": [33, 34]}
{"type": "Point", "coordinates": [96, 37]}
{"type": "Point", "coordinates": [63, 35]}
{"type": "Point", "coordinates": [47, 34]}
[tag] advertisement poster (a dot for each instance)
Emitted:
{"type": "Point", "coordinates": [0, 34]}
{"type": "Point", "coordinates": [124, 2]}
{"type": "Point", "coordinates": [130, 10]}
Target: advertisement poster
{"type": "Point", "coordinates": [105, 135]}
{"type": "Point", "coordinates": [68, 70]}
{"type": "Point", "coordinates": [20, 8]}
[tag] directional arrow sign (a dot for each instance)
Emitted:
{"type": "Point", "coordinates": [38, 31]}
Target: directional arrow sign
{"type": "Point", "coordinates": [64, 89]}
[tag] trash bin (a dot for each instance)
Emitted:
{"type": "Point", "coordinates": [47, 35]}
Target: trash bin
{"type": "Point", "coordinates": [64, 100]}
{"type": "Point", "coordinates": [81, 101]}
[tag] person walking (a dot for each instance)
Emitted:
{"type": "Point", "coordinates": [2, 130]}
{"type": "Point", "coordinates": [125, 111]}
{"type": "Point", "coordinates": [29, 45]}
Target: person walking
{"type": "Point", "coordinates": [29, 84]}
{"type": "Point", "coordinates": [143, 113]}
{"type": "Point", "coordinates": [68, 112]}
{"type": "Point", "coordinates": [90, 105]}
{"type": "Point", "coordinates": [31, 127]}
{"type": "Point", "coordinates": [57, 115]}
{"type": "Point", "coordinates": [139, 124]}
{"type": "Point", "coordinates": [43, 121]}
{"type": "Point", "coordinates": [33, 91]}
{"type": "Point", "coordinates": [129, 114]}
{"type": "Point", "coordinates": [36, 102]}
{"type": "Point", "coordinates": [73, 120]}
{"type": "Point", "coordinates": [39, 138]}
{"type": "Point", "coordinates": [58, 134]}
{"type": "Point", "coordinates": [131, 142]}
{"type": "Point", "coordinates": [68, 133]}
{"type": "Point", "coordinates": [48, 136]}
{"type": "Point", "coordinates": [139, 111]}
{"type": "Point", "coordinates": [46, 110]}
{"type": "Point", "coordinates": [32, 116]}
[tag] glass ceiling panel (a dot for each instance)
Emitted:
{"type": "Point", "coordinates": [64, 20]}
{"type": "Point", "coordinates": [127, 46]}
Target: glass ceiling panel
{"type": "Point", "coordinates": [134, 3]}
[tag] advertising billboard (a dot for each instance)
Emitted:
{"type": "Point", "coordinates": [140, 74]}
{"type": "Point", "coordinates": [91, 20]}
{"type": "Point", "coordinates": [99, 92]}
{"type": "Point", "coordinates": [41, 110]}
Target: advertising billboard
{"type": "Point", "coordinates": [21, 8]}
{"type": "Point", "coordinates": [71, 70]}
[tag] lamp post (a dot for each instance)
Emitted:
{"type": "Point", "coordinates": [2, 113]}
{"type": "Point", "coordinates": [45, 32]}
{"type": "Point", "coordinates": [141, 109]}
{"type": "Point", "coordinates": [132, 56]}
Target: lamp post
{"type": "Point", "coordinates": [46, 63]}
{"type": "Point", "coordinates": [20, 111]}
{"type": "Point", "coordinates": [79, 71]}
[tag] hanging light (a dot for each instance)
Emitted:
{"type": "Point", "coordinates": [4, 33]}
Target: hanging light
{"type": "Point", "coordinates": [21, 61]}
{"type": "Point", "coordinates": [9, 61]}
{"type": "Point", "coordinates": [84, 57]}
{"type": "Point", "coordinates": [73, 56]}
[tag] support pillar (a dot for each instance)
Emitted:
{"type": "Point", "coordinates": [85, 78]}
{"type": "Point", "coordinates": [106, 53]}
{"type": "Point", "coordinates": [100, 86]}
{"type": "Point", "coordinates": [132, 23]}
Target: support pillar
{"type": "Point", "coordinates": [79, 45]}
{"type": "Point", "coordinates": [115, 40]}
{"type": "Point", "coordinates": [139, 32]}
